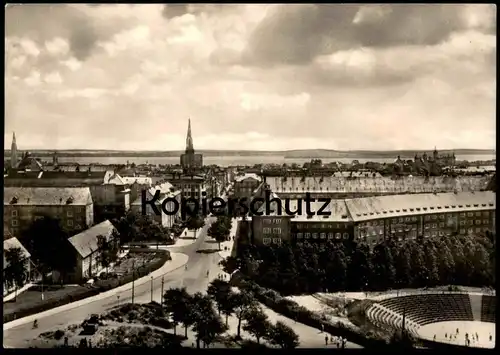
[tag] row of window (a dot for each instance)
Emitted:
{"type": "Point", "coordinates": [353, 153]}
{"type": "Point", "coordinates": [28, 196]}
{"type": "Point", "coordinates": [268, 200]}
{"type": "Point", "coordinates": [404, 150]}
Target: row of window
{"type": "Point", "coordinates": [69, 212]}
{"type": "Point", "coordinates": [274, 230]}
{"type": "Point", "coordinates": [268, 241]}
{"type": "Point", "coordinates": [301, 226]}
{"type": "Point", "coordinates": [328, 236]}
{"type": "Point", "coordinates": [484, 214]}
{"type": "Point", "coordinates": [69, 223]}
{"type": "Point", "coordinates": [272, 221]}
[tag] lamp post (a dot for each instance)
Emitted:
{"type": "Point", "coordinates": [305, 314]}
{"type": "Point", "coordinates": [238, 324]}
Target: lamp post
{"type": "Point", "coordinates": [161, 296]}
{"type": "Point", "coordinates": [151, 288]}
{"type": "Point", "coordinates": [133, 279]}
{"type": "Point", "coordinates": [118, 298]}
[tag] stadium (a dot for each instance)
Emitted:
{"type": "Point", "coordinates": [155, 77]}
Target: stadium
{"type": "Point", "coordinates": [439, 318]}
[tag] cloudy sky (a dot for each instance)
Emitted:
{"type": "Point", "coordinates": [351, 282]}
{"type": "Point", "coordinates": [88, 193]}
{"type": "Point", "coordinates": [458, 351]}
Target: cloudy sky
{"type": "Point", "coordinates": [266, 77]}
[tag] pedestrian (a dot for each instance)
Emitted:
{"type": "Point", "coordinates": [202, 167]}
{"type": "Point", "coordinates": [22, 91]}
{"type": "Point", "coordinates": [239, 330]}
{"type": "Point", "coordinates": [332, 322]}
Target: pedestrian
{"type": "Point", "coordinates": [332, 340]}
{"type": "Point", "coordinates": [446, 335]}
{"type": "Point", "coordinates": [434, 337]}
{"type": "Point", "coordinates": [457, 330]}
{"type": "Point", "coordinates": [338, 345]}
{"type": "Point", "coordinates": [65, 341]}
{"type": "Point", "coordinates": [90, 343]}
{"type": "Point", "coordinates": [326, 339]}
{"type": "Point", "coordinates": [322, 327]}
{"type": "Point", "coordinates": [477, 337]}
{"type": "Point", "coordinates": [491, 338]}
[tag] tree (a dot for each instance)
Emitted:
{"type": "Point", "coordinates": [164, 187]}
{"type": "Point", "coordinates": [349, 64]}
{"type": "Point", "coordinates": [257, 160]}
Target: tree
{"type": "Point", "coordinates": [176, 303]}
{"type": "Point", "coordinates": [54, 243]}
{"type": "Point", "coordinates": [108, 250]}
{"type": "Point", "coordinates": [195, 222]}
{"type": "Point", "coordinates": [229, 304]}
{"type": "Point", "coordinates": [16, 271]}
{"type": "Point", "coordinates": [219, 230]}
{"type": "Point", "coordinates": [257, 323]}
{"type": "Point", "coordinates": [207, 324]}
{"type": "Point", "coordinates": [283, 336]}
{"type": "Point", "coordinates": [219, 291]}
{"type": "Point", "coordinates": [244, 302]}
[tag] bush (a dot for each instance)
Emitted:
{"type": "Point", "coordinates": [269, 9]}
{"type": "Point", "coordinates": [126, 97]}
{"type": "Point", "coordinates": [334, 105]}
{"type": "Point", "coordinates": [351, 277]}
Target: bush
{"type": "Point", "coordinates": [292, 310]}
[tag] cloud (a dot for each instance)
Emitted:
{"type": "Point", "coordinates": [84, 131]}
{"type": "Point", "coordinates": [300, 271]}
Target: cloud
{"type": "Point", "coordinates": [251, 76]}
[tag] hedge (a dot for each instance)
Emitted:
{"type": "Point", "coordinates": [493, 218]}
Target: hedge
{"type": "Point", "coordinates": [98, 287]}
{"type": "Point", "coordinates": [291, 309]}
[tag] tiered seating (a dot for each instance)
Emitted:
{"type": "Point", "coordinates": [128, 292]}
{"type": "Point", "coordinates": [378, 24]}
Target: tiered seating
{"type": "Point", "coordinates": [431, 308]}
{"type": "Point", "coordinates": [385, 318]}
{"type": "Point", "coordinates": [488, 308]}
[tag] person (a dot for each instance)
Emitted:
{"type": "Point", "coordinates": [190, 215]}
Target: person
{"type": "Point", "coordinates": [185, 267]}
{"type": "Point", "coordinates": [322, 327]}
{"type": "Point", "coordinates": [434, 337]}
{"type": "Point", "coordinates": [326, 339]}
{"type": "Point", "coordinates": [35, 323]}
{"type": "Point", "coordinates": [446, 335]}
{"type": "Point", "coordinates": [208, 272]}
{"type": "Point", "coordinates": [491, 338]}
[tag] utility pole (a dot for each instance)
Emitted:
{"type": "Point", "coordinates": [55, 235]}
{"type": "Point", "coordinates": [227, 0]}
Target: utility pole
{"type": "Point", "coordinates": [133, 279]}
{"type": "Point", "coordinates": [151, 288]}
{"type": "Point", "coordinates": [161, 296]}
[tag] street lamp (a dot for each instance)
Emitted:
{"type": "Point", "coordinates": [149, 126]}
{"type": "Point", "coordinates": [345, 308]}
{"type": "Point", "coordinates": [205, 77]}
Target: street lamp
{"type": "Point", "coordinates": [118, 298]}
{"type": "Point", "coordinates": [161, 296]}
{"type": "Point", "coordinates": [133, 279]}
{"type": "Point", "coordinates": [151, 288]}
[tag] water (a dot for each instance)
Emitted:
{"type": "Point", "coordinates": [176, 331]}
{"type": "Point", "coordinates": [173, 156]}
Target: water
{"type": "Point", "coordinates": [240, 160]}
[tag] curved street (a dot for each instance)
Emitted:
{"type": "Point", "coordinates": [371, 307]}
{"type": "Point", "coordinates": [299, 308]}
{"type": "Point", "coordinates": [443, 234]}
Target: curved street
{"type": "Point", "coordinates": [194, 279]}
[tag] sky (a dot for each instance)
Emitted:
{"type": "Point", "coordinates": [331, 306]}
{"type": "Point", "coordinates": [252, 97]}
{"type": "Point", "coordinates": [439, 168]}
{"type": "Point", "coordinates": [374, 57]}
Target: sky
{"type": "Point", "coordinates": [250, 77]}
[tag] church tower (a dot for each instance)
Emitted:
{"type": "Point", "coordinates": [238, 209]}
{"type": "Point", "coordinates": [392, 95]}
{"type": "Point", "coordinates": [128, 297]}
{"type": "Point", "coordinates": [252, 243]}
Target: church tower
{"type": "Point", "coordinates": [189, 140]}
{"type": "Point", "coordinates": [13, 152]}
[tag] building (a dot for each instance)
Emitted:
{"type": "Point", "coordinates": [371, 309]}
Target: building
{"type": "Point", "coordinates": [341, 185]}
{"type": "Point", "coordinates": [13, 152]}
{"type": "Point", "coordinates": [167, 190]}
{"type": "Point", "coordinates": [191, 186]}
{"type": "Point", "coordinates": [110, 194]}
{"type": "Point", "coordinates": [401, 217]}
{"type": "Point", "coordinates": [72, 205]}
{"type": "Point", "coordinates": [245, 185]}
{"type": "Point", "coordinates": [86, 246]}
{"type": "Point", "coordinates": [190, 161]}
{"type": "Point", "coordinates": [13, 243]}
{"type": "Point", "coordinates": [276, 227]}
{"type": "Point", "coordinates": [372, 220]}
{"type": "Point", "coordinates": [136, 184]}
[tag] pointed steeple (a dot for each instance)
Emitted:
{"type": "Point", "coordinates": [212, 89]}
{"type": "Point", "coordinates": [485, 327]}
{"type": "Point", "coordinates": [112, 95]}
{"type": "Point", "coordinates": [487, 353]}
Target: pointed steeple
{"type": "Point", "coordinates": [189, 138]}
{"type": "Point", "coordinates": [13, 152]}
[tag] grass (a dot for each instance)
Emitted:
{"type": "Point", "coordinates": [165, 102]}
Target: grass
{"type": "Point", "coordinates": [33, 296]}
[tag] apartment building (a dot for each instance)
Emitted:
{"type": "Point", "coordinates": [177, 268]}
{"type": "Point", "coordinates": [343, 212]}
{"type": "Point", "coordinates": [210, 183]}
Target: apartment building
{"type": "Point", "coordinates": [167, 190]}
{"type": "Point", "coordinates": [372, 220]}
{"type": "Point", "coordinates": [342, 185]}
{"type": "Point", "coordinates": [72, 205]}
{"type": "Point", "coordinates": [245, 185]}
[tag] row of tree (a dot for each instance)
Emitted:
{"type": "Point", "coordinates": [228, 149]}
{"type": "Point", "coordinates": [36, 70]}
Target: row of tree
{"type": "Point", "coordinates": [197, 311]}
{"type": "Point", "coordinates": [307, 268]}
{"type": "Point", "coordinates": [220, 230]}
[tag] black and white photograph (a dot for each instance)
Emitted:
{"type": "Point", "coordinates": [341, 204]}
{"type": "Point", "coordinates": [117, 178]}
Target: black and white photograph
{"type": "Point", "coordinates": [250, 176]}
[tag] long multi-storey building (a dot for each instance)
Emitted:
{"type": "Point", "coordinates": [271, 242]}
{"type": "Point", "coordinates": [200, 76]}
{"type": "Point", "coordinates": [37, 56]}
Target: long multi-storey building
{"type": "Point", "coordinates": [343, 185]}
{"type": "Point", "coordinates": [72, 205]}
{"type": "Point", "coordinates": [372, 220]}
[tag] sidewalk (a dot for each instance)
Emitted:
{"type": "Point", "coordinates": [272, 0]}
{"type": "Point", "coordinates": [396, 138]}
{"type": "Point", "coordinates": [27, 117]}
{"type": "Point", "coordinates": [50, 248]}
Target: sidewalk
{"type": "Point", "coordinates": [229, 244]}
{"type": "Point", "coordinates": [178, 260]}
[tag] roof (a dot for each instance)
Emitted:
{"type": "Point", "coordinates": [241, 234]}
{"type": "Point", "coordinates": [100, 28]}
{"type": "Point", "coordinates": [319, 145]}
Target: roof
{"type": "Point", "coordinates": [166, 190]}
{"type": "Point", "coordinates": [47, 196]}
{"type": "Point", "coordinates": [337, 208]}
{"type": "Point", "coordinates": [140, 180]}
{"type": "Point", "coordinates": [12, 243]}
{"type": "Point", "coordinates": [113, 178]}
{"type": "Point", "coordinates": [82, 174]}
{"type": "Point", "coordinates": [85, 243]}
{"type": "Point", "coordinates": [416, 184]}
{"type": "Point", "coordinates": [248, 176]}
{"type": "Point", "coordinates": [417, 204]}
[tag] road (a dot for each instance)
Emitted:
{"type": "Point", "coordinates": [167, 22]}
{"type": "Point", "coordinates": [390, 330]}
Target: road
{"type": "Point", "coordinates": [194, 279]}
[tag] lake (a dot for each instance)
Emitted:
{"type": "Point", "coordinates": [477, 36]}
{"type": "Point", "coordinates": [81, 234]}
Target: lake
{"type": "Point", "coordinates": [240, 160]}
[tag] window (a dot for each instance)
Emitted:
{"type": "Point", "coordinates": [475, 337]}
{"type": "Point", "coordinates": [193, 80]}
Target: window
{"type": "Point", "coordinates": [470, 214]}
{"type": "Point", "coordinates": [277, 221]}
{"type": "Point", "coordinates": [414, 219]}
{"type": "Point", "coordinates": [337, 235]}
{"type": "Point", "coordinates": [486, 214]}
{"type": "Point", "coordinates": [462, 223]}
{"type": "Point", "coordinates": [471, 222]}
{"type": "Point", "coordinates": [70, 223]}
{"type": "Point", "coordinates": [69, 213]}
{"type": "Point", "coordinates": [346, 235]}
{"type": "Point", "coordinates": [478, 214]}
{"type": "Point", "coordinates": [267, 221]}
{"type": "Point", "coordinates": [400, 219]}
{"type": "Point", "coordinates": [434, 225]}
{"type": "Point", "coordinates": [434, 217]}
{"type": "Point", "coordinates": [374, 223]}
{"type": "Point", "coordinates": [478, 230]}
{"type": "Point", "coordinates": [277, 241]}
{"type": "Point", "coordinates": [322, 235]}
{"type": "Point", "coordinates": [300, 235]}
{"type": "Point", "coordinates": [427, 218]}
{"type": "Point", "coordinates": [267, 241]}
{"type": "Point", "coordinates": [462, 230]}
{"type": "Point", "coordinates": [267, 230]}
{"type": "Point", "coordinates": [14, 223]}
{"type": "Point", "coordinates": [408, 219]}
{"type": "Point", "coordinates": [441, 216]}
{"type": "Point", "coordinates": [308, 235]}
{"type": "Point", "coordinates": [14, 213]}
{"type": "Point", "coordinates": [470, 230]}
{"type": "Point", "coordinates": [330, 236]}
{"type": "Point", "coordinates": [78, 209]}
{"type": "Point", "coordinates": [478, 221]}
{"type": "Point", "coordinates": [277, 230]}
{"type": "Point", "coordinates": [381, 232]}
{"type": "Point", "coordinates": [485, 221]}
{"type": "Point", "coordinates": [441, 225]}
{"type": "Point", "coordinates": [78, 227]}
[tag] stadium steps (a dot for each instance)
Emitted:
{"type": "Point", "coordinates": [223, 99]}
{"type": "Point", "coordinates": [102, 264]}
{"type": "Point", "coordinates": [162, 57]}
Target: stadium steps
{"type": "Point", "coordinates": [476, 303]}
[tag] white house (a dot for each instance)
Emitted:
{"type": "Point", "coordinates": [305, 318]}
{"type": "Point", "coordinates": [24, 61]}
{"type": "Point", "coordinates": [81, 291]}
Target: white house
{"type": "Point", "coordinates": [87, 250]}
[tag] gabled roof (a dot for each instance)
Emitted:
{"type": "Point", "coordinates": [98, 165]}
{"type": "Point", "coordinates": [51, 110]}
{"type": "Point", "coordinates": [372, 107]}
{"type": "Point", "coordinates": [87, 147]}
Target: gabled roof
{"type": "Point", "coordinates": [47, 196]}
{"type": "Point", "coordinates": [248, 176]}
{"type": "Point", "coordinates": [141, 180]}
{"type": "Point", "coordinates": [113, 178]}
{"type": "Point", "coordinates": [85, 243]}
{"type": "Point", "coordinates": [12, 243]}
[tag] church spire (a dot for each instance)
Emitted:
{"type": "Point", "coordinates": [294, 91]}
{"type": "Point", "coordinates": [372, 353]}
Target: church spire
{"type": "Point", "coordinates": [189, 138]}
{"type": "Point", "coordinates": [13, 152]}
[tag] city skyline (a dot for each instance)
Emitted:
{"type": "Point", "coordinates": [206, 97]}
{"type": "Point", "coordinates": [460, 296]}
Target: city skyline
{"type": "Point", "coordinates": [251, 77]}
